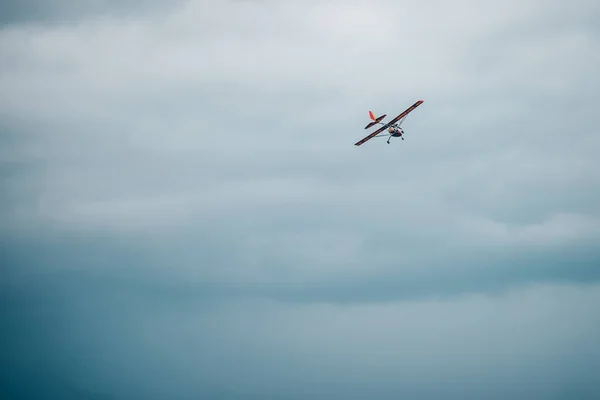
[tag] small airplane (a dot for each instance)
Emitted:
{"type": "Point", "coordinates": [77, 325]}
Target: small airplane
{"type": "Point", "coordinates": [393, 127]}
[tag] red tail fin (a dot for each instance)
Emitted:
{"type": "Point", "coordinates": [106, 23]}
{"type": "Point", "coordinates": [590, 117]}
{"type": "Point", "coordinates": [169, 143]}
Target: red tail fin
{"type": "Point", "coordinates": [376, 120]}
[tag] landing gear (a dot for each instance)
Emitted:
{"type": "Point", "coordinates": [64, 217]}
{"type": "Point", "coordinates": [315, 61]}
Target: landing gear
{"type": "Point", "coordinates": [388, 141]}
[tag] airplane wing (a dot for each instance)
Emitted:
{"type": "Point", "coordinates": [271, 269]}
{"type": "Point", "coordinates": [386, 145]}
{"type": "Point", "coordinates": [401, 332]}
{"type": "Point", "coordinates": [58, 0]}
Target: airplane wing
{"type": "Point", "coordinates": [393, 121]}
{"type": "Point", "coordinates": [405, 113]}
{"type": "Point", "coordinates": [371, 136]}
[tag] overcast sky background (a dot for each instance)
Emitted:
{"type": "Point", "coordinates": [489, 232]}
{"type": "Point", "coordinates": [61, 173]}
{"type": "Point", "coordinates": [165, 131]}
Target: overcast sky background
{"type": "Point", "coordinates": [184, 214]}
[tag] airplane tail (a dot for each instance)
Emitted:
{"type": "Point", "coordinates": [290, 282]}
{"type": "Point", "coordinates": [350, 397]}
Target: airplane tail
{"type": "Point", "coordinates": [375, 119]}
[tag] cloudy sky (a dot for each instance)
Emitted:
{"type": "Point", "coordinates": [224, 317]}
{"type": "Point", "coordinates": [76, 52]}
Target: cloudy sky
{"type": "Point", "coordinates": [184, 214]}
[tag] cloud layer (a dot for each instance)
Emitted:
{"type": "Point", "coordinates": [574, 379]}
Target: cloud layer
{"type": "Point", "coordinates": [190, 155]}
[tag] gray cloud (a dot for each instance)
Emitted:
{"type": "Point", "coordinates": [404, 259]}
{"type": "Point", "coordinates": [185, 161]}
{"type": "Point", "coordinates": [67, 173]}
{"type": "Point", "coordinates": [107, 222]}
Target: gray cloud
{"type": "Point", "coordinates": [118, 340]}
{"type": "Point", "coordinates": [215, 128]}
{"type": "Point", "coordinates": [65, 11]}
{"type": "Point", "coordinates": [184, 212]}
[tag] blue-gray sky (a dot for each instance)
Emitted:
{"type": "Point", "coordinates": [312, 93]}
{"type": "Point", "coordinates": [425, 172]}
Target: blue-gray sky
{"type": "Point", "coordinates": [184, 214]}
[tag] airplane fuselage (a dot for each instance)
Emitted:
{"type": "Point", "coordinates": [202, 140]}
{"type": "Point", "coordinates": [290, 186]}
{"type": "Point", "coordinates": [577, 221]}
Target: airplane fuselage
{"type": "Point", "coordinates": [396, 132]}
